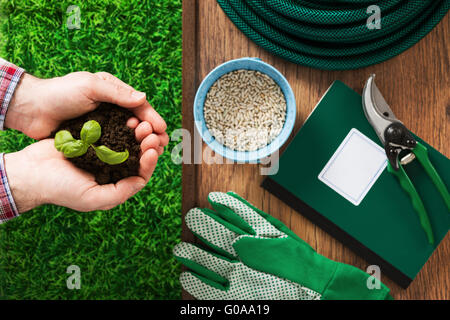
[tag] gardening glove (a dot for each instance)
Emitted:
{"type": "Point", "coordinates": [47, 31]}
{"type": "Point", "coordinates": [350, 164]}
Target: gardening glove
{"type": "Point", "coordinates": [254, 256]}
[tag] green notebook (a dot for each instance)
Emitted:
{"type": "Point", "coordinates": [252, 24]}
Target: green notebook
{"type": "Point", "coordinates": [366, 210]}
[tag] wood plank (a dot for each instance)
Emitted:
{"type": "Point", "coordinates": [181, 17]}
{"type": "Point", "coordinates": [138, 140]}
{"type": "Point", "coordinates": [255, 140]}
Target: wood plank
{"type": "Point", "coordinates": [189, 86]}
{"type": "Point", "coordinates": [415, 84]}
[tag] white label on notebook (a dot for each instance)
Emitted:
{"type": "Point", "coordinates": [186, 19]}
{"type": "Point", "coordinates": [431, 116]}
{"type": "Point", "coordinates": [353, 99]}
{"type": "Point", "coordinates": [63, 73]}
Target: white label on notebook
{"type": "Point", "coordinates": [354, 167]}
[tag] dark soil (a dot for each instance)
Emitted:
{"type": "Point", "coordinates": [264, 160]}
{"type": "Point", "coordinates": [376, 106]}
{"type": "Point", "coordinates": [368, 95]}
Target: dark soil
{"type": "Point", "coordinates": [116, 135]}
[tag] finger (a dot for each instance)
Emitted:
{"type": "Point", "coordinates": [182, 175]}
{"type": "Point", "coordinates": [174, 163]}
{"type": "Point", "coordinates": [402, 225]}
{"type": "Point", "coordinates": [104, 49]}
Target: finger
{"type": "Point", "coordinates": [145, 112]}
{"type": "Point", "coordinates": [151, 141]}
{"type": "Point", "coordinates": [48, 145]}
{"type": "Point", "coordinates": [148, 162]}
{"type": "Point", "coordinates": [160, 150]}
{"type": "Point", "coordinates": [202, 288]}
{"type": "Point", "coordinates": [213, 230]}
{"type": "Point", "coordinates": [188, 254]}
{"type": "Point", "coordinates": [133, 122]}
{"type": "Point", "coordinates": [241, 215]}
{"type": "Point", "coordinates": [114, 92]}
{"type": "Point", "coordinates": [111, 195]}
{"type": "Point", "coordinates": [142, 130]}
{"type": "Point", "coordinates": [164, 139]}
{"type": "Point", "coordinates": [109, 77]}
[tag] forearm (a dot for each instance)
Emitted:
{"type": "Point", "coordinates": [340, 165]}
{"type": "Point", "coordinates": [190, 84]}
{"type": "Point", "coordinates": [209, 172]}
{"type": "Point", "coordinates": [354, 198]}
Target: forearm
{"type": "Point", "coordinates": [22, 109]}
{"type": "Point", "coordinates": [22, 178]}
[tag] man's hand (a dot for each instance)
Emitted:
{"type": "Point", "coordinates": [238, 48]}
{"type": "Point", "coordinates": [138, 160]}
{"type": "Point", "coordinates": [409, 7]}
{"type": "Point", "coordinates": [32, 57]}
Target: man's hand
{"type": "Point", "coordinates": [40, 174]}
{"type": "Point", "coordinates": [38, 105]}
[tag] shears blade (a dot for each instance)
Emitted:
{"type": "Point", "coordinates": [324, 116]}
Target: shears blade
{"type": "Point", "coordinates": [376, 109]}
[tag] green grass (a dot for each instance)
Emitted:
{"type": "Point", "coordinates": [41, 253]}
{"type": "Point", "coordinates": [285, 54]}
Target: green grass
{"type": "Point", "coordinates": [124, 253]}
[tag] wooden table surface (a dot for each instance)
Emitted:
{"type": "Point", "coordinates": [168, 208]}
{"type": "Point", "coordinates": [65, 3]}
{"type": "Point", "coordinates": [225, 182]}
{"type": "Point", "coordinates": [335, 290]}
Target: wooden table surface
{"type": "Point", "coordinates": [415, 83]}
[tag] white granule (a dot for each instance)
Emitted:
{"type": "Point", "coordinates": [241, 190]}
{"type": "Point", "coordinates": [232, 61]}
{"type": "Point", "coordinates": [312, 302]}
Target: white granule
{"type": "Point", "coordinates": [245, 110]}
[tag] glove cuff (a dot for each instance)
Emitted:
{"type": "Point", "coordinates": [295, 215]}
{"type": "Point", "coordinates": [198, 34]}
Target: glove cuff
{"type": "Point", "coordinates": [350, 283]}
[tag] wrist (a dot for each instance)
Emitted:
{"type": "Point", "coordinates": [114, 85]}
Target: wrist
{"type": "Point", "coordinates": [351, 283]}
{"type": "Point", "coordinates": [22, 109]}
{"type": "Point", "coordinates": [22, 181]}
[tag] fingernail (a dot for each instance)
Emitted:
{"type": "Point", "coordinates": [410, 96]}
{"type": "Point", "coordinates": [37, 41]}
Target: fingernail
{"type": "Point", "coordinates": [138, 95]}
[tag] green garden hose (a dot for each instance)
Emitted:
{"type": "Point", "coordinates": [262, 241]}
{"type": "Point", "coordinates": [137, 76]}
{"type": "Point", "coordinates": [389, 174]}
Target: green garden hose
{"type": "Point", "coordinates": [333, 34]}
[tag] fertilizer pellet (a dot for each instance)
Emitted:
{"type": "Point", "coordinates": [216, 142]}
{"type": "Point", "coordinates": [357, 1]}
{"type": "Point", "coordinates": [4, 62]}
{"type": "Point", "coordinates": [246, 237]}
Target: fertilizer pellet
{"type": "Point", "coordinates": [245, 110]}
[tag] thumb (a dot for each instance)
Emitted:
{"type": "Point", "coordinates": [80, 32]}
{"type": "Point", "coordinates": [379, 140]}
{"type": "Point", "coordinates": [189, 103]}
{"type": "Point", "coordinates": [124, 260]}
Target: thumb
{"type": "Point", "coordinates": [113, 92]}
{"type": "Point", "coordinates": [108, 196]}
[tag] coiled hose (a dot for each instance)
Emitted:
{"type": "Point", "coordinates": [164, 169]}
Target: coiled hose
{"type": "Point", "coordinates": [333, 34]}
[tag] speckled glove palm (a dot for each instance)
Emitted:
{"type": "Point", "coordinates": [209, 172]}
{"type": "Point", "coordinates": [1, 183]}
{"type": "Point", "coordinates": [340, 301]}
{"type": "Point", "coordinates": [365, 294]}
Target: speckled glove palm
{"type": "Point", "coordinates": [252, 255]}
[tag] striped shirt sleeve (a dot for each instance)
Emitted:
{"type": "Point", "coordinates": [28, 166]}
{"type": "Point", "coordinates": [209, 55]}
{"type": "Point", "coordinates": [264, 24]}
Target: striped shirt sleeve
{"type": "Point", "coordinates": [9, 78]}
{"type": "Point", "coordinates": [8, 209]}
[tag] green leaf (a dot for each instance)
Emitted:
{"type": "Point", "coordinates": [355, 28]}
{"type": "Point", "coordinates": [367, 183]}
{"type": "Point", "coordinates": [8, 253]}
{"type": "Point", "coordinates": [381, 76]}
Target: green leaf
{"type": "Point", "coordinates": [109, 156]}
{"type": "Point", "coordinates": [91, 132]}
{"type": "Point", "coordinates": [68, 145]}
{"type": "Point", "coordinates": [61, 138]}
{"type": "Point", "coordinates": [74, 149]}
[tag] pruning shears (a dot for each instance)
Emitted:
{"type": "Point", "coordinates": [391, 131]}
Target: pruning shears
{"type": "Point", "coordinates": [399, 142]}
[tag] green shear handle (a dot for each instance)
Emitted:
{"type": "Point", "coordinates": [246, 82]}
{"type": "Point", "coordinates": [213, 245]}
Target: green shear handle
{"type": "Point", "coordinates": [421, 153]}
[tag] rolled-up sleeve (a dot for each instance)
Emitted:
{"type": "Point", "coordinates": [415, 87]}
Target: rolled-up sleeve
{"type": "Point", "coordinates": [8, 209]}
{"type": "Point", "coordinates": [9, 78]}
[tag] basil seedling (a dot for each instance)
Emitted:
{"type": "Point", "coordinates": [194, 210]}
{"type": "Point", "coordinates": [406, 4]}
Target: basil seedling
{"type": "Point", "coordinates": [90, 133]}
